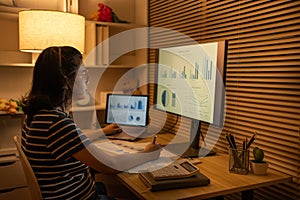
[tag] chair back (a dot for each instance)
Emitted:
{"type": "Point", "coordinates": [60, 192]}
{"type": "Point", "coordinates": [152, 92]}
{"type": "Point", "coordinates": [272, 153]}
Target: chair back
{"type": "Point", "coordinates": [32, 182]}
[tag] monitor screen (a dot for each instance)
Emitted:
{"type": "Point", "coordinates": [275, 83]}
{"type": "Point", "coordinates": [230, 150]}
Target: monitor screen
{"type": "Point", "coordinates": [131, 110]}
{"type": "Point", "coordinates": [190, 81]}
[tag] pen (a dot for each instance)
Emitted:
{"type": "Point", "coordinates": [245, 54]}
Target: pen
{"type": "Point", "coordinates": [154, 139]}
{"type": "Point", "coordinates": [242, 154]}
{"type": "Point", "coordinates": [231, 137]}
{"type": "Point", "coordinates": [244, 144]}
{"type": "Point", "coordinates": [229, 141]}
{"type": "Point", "coordinates": [251, 140]}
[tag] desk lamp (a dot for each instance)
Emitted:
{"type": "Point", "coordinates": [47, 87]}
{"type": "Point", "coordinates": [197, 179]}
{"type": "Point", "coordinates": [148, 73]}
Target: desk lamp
{"type": "Point", "coordinates": [39, 29]}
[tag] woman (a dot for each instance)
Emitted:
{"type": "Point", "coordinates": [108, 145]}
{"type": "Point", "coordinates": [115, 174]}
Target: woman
{"type": "Point", "coordinates": [61, 155]}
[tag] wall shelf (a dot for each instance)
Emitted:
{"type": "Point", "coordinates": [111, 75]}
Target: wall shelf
{"type": "Point", "coordinates": [87, 108]}
{"type": "Point", "coordinates": [110, 66]}
{"type": "Point", "coordinates": [114, 24]}
{"type": "Point", "coordinates": [16, 65]}
{"type": "Point", "coordinates": [5, 113]}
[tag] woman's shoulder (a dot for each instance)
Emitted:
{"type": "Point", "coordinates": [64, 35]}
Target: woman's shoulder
{"type": "Point", "coordinates": [52, 115]}
{"type": "Point", "coordinates": [53, 112]}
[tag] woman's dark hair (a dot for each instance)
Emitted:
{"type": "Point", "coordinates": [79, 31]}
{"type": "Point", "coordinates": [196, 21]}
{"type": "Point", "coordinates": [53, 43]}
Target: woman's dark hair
{"type": "Point", "coordinates": [53, 78]}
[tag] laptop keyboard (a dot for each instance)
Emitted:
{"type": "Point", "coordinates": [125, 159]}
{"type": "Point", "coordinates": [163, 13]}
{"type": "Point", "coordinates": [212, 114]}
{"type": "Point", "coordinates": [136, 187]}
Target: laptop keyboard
{"type": "Point", "coordinates": [132, 130]}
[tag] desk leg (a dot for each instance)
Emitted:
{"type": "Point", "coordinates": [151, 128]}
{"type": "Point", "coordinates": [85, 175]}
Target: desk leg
{"type": "Point", "coordinates": [247, 195]}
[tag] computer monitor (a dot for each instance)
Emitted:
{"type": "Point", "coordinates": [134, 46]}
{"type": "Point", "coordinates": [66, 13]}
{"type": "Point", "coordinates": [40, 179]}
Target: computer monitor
{"type": "Point", "coordinates": [190, 83]}
{"type": "Point", "coordinates": [129, 110]}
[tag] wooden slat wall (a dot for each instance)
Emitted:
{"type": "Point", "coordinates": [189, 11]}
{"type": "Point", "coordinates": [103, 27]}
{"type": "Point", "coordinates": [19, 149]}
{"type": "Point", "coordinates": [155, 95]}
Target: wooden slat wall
{"type": "Point", "coordinates": [263, 73]}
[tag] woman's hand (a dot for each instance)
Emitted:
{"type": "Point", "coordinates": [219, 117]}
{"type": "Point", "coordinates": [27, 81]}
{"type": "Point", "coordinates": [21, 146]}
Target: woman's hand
{"type": "Point", "coordinates": [151, 147]}
{"type": "Point", "coordinates": [154, 149]}
{"type": "Point", "coordinates": [111, 129]}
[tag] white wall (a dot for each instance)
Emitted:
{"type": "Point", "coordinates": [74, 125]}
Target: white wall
{"type": "Point", "coordinates": [14, 81]}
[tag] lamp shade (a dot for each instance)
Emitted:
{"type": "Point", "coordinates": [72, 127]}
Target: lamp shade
{"type": "Point", "coordinates": [39, 29]}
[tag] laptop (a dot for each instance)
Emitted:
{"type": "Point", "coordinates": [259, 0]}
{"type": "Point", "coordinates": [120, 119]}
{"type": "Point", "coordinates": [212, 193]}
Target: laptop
{"type": "Point", "coordinates": [130, 112]}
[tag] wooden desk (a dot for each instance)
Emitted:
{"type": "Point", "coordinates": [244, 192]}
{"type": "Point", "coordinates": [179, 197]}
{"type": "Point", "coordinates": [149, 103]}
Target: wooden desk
{"type": "Point", "coordinates": [222, 182]}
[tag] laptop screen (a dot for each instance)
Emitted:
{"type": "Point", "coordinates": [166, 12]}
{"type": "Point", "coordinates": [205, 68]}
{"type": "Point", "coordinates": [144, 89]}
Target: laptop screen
{"type": "Point", "coordinates": [130, 110]}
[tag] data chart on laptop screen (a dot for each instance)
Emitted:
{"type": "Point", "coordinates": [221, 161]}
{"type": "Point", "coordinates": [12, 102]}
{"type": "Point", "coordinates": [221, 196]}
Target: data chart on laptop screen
{"type": "Point", "coordinates": [131, 110]}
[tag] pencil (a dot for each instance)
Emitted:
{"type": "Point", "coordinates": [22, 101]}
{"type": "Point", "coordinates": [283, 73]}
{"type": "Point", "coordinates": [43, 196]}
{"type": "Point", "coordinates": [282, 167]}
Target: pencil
{"type": "Point", "coordinates": [154, 139]}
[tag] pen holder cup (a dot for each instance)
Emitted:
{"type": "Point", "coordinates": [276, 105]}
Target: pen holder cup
{"type": "Point", "coordinates": [238, 160]}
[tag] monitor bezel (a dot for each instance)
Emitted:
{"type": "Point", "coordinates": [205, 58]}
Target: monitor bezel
{"type": "Point", "coordinates": [128, 95]}
{"type": "Point", "coordinates": [221, 66]}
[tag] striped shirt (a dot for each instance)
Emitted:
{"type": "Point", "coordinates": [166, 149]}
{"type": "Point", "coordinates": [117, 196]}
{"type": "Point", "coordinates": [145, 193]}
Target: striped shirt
{"type": "Point", "coordinates": [49, 141]}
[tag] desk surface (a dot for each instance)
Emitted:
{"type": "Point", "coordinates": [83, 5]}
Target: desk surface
{"type": "Point", "coordinates": [222, 181]}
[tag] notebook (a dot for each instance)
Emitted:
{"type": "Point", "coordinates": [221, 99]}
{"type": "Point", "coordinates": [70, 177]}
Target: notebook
{"type": "Point", "coordinates": [130, 112]}
{"type": "Point", "coordinates": [198, 179]}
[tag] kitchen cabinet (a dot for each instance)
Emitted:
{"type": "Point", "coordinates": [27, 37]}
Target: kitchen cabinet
{"type": "Point", "coordinates": [12, 183]}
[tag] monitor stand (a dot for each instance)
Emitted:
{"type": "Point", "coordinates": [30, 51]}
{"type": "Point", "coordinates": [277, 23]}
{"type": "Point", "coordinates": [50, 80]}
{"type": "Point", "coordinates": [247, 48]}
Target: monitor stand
{"type": "Point", "coordinates": [193, 151]}
{"type": "Point", "coordinates": [190, 152]}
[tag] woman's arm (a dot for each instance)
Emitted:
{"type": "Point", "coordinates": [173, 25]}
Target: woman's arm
{"type": "Point", "coordinates": [90, 160]}
{"type": "Point", "coordinates": [95, 134]}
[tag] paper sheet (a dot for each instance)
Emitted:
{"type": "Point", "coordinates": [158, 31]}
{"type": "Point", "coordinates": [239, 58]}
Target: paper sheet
{"type": "Point", "coordinates": [125, 147]}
